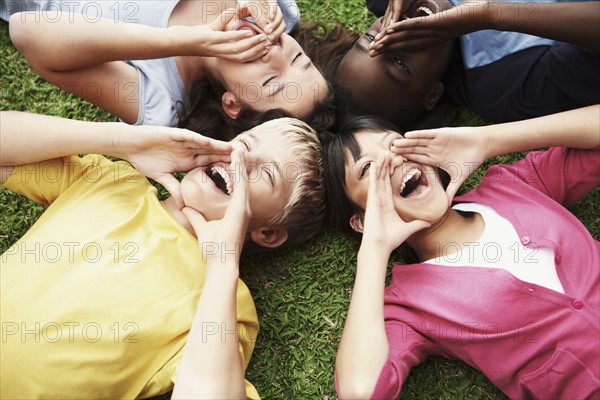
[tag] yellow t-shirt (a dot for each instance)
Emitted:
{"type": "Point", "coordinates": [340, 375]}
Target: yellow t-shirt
{"type": "Point", "coordinates": [97, 298]}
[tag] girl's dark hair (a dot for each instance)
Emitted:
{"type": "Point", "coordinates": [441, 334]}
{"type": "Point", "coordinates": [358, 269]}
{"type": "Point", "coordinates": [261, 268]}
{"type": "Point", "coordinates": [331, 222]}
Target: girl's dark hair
{"type": "Point", "coordinates": [339, 207]}
{"type": "Point", "coordinates": [207, 117]}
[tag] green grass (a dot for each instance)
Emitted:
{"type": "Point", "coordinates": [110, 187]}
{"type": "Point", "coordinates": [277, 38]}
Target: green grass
{"type": "Point", "coordinates": [301, 294]}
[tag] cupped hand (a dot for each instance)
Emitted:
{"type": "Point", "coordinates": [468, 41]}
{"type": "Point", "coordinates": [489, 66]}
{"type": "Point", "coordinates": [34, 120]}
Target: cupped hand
{"type": "Point", "coordinates": [221, 241]}
{"type": "Point", "coordinates": [383, 227]}
{"type": "Point", "coordinates": [158, 152]}
{"type": "Point", "coordinates": [392, 15]}
{"type": "Point", "coordinates": [458, 151]}
{"type": "Point", "coordinates": [266, 14]}
{"type": "Point", "coordinates": [419, 33]}
{"type": "Point", "coordinates": [213, 40]}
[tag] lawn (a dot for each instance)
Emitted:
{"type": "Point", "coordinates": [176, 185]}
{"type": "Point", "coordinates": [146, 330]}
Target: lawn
{"type": "Point", "coordinates": [301, 294]}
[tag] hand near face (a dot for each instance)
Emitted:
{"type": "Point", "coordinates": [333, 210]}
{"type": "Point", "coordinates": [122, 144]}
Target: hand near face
{"type": "Point", "coordinates": [221, 241]}
{"type": "Point", "coordinates": [391, 16]}
{"type": "Point", "coordinates": [383, 227]}
{"type": "Point", "coordinates": [213, 40]}
{"type": "Point", "coordinates": [458, 151]}
{"type": "Point", "coordinates": [419, 33]}
{"type": "Point", "coordinates": [157, 152]}
{"type": "Point", "coordinates": [266, 14]}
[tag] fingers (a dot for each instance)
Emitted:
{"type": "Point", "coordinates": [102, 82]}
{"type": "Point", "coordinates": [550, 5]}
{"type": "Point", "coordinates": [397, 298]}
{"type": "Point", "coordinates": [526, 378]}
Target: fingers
{"type": "Point", "coordinates": [452, 188]}
{"type": "Point", "coordinates": [202, 160]}
{"type": "Point", "coordinates": [238, 211]}
{"type": "Point", "coordinates": [266, 14]}
{"type": "Point", "coordinates": [379, 180]}
{"type": "Point", "coordinates": [196, 220]}
{"type": "Point", "coordinates": [277, 25]}
{"type": "Point", "coordinates": [245, 50]}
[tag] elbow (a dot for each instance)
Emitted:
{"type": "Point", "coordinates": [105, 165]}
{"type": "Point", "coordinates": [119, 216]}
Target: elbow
{"type": "Point", "coordinates": [23, 33]}
{"type": "Point", "coordinates": [356, 387]}
{"type": "Point", "coordinates": [19, 32]}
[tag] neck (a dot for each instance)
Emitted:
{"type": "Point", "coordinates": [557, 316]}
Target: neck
{"type": "Point", "coordinates": [178, 215]}
{"type": "Point", "coordinates": [454, 227]}
{"type": "Point", "coordinates": [192, 69]}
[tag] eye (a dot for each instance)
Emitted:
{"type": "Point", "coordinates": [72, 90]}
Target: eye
{"type": "Point", "coordinates": [401, 64]}
{"type": "Point", "coordinates": [297, 57]}
{"type": "Point", "coordinates": [369, 37]}
{"type": "Point", "coordinates": [269, 174]}
{"type": "Point", "coordinates": [364, 169]}
{"type": "Point", "coordinates": [246, 145]}
{"type": "Point", "coordinates": [268, 81]}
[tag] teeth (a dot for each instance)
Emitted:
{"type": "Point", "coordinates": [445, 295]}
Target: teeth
{"type": "Point", "coordinates": [426, 10]}
{"type": "Point", "coordinates": [408, 176]}
{"type": "Point", "coordinates": [221, 171]}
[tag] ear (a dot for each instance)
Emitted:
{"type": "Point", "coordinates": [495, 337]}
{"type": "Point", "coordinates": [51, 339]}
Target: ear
{"type": "Point", "coordinates": [267, 236]}
{"type": "Point", "coordinates": [433, 95]}
{"type": "Point", "coordinates": [230, 105]}
{"type": "Point", "coordinates": [356, 222]}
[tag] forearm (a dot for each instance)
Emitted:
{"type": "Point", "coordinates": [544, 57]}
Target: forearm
{"type": "Point", "coordinates": [574, 23]}
{"type": "Point", "coordinates": [28, 138]}
{"type": "Point", "coordinates": [211, 366]}
{"type": "Point", "coordinates": [578, 128]}
{"type": "Point", "coordinates": [364, 346]}
{"type": "Point", "coordinates": [74, 43]}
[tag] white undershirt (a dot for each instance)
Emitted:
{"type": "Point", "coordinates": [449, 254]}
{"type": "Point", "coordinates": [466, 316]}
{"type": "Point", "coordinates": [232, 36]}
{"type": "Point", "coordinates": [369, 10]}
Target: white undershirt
{"type": "Point", "coordinates": [499, 247]}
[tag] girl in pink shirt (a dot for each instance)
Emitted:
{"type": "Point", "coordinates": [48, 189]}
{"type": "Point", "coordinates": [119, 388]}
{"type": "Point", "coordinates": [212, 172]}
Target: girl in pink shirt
{"type": "Point", "coordinates": [502, 270]}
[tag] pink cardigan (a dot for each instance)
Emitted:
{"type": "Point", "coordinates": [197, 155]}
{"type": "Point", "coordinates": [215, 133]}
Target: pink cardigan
{"type": "Point", "coordinates": [530, 341]}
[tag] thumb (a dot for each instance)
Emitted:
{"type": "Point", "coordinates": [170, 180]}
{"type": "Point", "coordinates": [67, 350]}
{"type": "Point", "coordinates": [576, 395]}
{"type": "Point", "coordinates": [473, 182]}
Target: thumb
{"type": "Point", "coordinates": [195, 219]}
{"type": "Point", "coordinates": [173, 186]}
{"type": "Point", "coordinates": [452, 189]}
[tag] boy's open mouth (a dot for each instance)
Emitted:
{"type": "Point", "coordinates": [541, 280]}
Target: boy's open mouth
{"type": "Point", "coordinates": [222, 180]}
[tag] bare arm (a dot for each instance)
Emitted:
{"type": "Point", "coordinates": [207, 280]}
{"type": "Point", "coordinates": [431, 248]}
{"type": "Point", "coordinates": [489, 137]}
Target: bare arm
{"type": "Point", "coordinates": [575, 23]}
{"type": "Point", "coordinates": [211, 367]}
{"type": "Point", "coordinates": [364, 346]}
{"type": "Point", "coordinates": [156, 151]}
{"type": "Point", "coordinates": [85, 58]}
{"type": "Point", "coordinates": [461, 150]}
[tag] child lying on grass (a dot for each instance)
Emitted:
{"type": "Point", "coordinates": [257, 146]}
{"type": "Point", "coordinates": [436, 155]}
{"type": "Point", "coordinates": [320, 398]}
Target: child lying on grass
{"type": "Point", "coordinates": [115, 294]}
{"type": "Point", "coordinates": [503, 278]}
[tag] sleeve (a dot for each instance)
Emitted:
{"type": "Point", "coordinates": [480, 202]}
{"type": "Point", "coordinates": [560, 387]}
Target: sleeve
{"type": "Point", "coordinates": [377, 7]}
{"type": "Point", "coordinates": [563, 174]}
{"type": "Point", "coordinates": [43, 182]}
{"type": "Point", "coordinates": [248, 331]}
{"type": "Point", "coordinates": [528, 83]}
{"type": "Point", "coordinates": [408, 348]}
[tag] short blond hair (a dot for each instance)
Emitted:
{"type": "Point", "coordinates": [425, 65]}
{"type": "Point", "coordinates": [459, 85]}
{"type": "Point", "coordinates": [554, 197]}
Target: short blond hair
{"type": "Point", "coordinates": [303, 215]}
